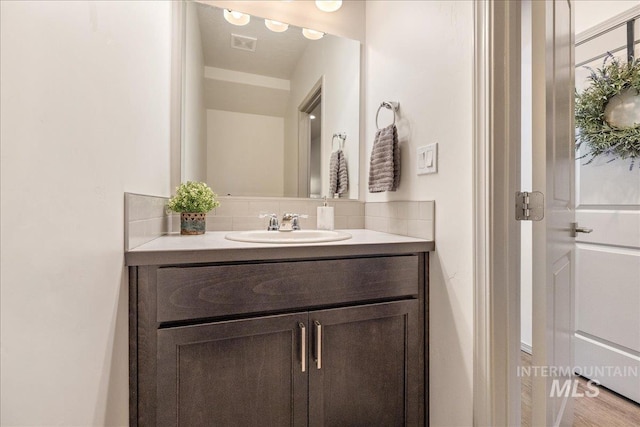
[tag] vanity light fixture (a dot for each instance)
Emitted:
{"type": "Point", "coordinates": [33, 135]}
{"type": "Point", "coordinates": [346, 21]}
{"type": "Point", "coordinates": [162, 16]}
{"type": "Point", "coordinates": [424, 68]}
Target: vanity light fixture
{"type": "Point", "coordinates": [312, 34]}
{"type": "Point", "coordinates": [276, 26]}
{"type": "Point", "coordinates": [328, 5]}
{"type": "Point", "coordinates": [312, 117]}
{"type": "Point", "coordinates": [236, 18]}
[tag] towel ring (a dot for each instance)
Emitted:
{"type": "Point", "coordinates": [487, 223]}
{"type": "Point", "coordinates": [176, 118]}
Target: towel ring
{"type": "Point", "coordinates": [389, 105]}
{"type": "Point", "coordinates": [342, 137]}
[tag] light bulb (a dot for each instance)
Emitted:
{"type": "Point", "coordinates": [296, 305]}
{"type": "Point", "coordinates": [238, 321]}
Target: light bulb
{"type": "Point", "coordinates": [275, 26]}
{"type": "Point", "coordinates": [312, 117]}
{"type": "Point", "coordinates": [312, 34]}
{"type": "Point", "coordinates": [328, 5]}
{"type": "Point", "coordinates": [236, 18]}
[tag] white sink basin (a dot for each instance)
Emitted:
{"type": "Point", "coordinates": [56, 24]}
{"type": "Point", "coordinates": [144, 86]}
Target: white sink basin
{"type": "Point", "coordinates": [297, 236]}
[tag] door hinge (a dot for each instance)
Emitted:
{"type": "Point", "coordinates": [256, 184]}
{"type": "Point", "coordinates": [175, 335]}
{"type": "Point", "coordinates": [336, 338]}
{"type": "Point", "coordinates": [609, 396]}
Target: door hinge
{"type": "Point", "coordinates": [529, 206]}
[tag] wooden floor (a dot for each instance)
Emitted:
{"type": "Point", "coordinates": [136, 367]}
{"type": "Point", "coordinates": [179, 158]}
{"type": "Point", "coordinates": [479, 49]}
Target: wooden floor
{"type": "Point", "coordinates": [608, 409]}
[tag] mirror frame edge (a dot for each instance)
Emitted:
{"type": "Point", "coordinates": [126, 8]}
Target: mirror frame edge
{"type": "Point", "coordinates": [178, 31]}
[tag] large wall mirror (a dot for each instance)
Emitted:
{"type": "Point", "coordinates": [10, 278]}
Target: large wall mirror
{"type": "Point", "coordinates": [262, 108]}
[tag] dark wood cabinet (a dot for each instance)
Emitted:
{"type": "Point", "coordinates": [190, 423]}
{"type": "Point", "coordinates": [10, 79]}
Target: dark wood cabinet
{"type": "Point", "coordinates": [366, 367]}
{"type": "Point", "coordinates": [235, 373]}
{"type": "Point", "coordinates": [327, 342]}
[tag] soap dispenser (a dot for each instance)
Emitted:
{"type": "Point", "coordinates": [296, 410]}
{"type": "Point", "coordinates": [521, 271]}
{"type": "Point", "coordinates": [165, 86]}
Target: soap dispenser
{"type": "Point", "coordinates": [325, 216]}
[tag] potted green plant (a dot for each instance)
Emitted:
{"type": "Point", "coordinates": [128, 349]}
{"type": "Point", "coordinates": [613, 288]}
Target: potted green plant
{"type": "Point", "coordinates": [193, 200]}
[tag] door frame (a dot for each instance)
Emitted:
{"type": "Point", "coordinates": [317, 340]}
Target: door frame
{"type": "Point", "coordinates": [310, 101]}
{"type": "Point", "coordinates": [496, 233]}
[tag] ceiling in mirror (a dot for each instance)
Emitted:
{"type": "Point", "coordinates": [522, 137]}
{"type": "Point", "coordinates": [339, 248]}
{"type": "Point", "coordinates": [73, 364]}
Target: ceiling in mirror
{"type": "Point", "coordinates": [245, 131]}
{"type": "Point", "coordinates": [275, 54]}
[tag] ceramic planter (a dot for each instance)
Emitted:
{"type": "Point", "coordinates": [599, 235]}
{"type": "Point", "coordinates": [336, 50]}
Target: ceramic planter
{"type": "Point", "coordinates": [192, 223]}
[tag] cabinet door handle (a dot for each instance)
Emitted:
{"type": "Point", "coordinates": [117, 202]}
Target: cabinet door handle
{"type": "Point", "coordinates": [318, 355]}
{"type": "Point", "coordinates": [303, 346]}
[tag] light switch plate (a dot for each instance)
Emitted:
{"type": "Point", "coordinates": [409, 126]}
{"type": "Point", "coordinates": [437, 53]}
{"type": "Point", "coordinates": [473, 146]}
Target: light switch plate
{"type": "Point", "coordinates": [427, 159]}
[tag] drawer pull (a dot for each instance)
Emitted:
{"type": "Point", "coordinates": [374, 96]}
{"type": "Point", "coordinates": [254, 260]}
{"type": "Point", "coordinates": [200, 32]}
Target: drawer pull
{"type": "Point", "coordinates": [318, 355]}
{"type": "Point", "coordinates": [303, 346]}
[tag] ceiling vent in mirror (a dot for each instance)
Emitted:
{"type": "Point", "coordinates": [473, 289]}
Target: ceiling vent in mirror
{"type": "Point", "coordinates": [243, 42]}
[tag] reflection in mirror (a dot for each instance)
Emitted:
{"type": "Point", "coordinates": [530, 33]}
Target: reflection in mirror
{"type": "Point", "coordinates": [315, 187]}
{"type": "Point", "coordinates": [259, 107]}
{"type": "Point", "coordinates": [310, 135]}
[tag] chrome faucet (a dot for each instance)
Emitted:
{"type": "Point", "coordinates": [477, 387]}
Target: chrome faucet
{"type": "Point", "coordinates": [291, 222]}
{"type": "Point", "coordinates": [273, 221]}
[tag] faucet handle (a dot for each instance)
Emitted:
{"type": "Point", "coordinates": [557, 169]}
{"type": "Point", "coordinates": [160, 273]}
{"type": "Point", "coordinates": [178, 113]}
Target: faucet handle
{"type": "Point", "coordinates": [273, 220]}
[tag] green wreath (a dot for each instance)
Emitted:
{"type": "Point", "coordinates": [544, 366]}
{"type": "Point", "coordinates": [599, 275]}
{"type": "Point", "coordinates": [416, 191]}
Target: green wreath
{"type": "Point", "coordinates": [593, 130]}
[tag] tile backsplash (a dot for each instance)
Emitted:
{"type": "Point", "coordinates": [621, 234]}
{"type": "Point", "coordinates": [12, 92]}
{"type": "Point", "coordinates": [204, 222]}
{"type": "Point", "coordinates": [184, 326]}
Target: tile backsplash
{"type": "Point", "coordinates": [146, 218]}
{"type": "Point", "coordinates": [243, 213]}
{"type": "Point", "coordinates": [411, 218]}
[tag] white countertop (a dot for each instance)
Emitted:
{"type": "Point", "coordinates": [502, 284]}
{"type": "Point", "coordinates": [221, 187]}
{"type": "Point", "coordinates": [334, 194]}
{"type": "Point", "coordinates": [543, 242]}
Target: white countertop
{"type": "Point", "coordinates": [212, 247]}
{"type": "Point", "coordinates": [216, 240]}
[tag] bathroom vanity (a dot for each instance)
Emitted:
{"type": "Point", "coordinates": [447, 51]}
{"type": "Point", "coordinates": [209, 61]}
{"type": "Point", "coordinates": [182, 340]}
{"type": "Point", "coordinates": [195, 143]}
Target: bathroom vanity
{"type": "Point", "coordinates": [242, 334]}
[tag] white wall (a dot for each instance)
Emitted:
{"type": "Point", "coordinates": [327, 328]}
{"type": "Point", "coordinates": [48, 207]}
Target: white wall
{"type": "Point", "coordinates": [85, 117]}
{"type": "Point", "coordinates": [245, 145]}
{"type": "Point", "coordinates": [194, 154]}
{"type": "Point", "coordinates": [337, 62]}
{"type": "Point", "coordinates": [421, 54]}
{"type": "Point", "coordinates": [589, 13]}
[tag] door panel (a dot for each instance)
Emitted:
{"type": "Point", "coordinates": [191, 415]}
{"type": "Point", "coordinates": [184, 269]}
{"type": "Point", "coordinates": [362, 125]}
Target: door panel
{"type": "Point", "coordinates": [594, 357]}
{"type": "Point", "coordinates": [237, 373]}
{"type": "Point", "coordinates": [608, 259]}
{"type": "Point", "coordinates": [371, 366]}
{"type": "Point", "coordinates": [607, 316]}
{"type": "Point", "coordinates": [603, 183]}
{"type": "Point", "coordinates": [608, 295]}
{"type": "Point", "coordinates": [553, 174]}
{"type": "Point", "coordinates": [610, 227]}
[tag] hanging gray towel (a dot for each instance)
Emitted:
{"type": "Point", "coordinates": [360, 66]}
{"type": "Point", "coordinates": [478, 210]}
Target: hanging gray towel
{"type": "Point", "coordinates": [338, 176]}
{"type": "Point", "coordinates": [384, 169]}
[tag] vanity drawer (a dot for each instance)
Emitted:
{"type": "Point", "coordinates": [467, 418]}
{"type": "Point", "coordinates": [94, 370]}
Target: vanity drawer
{"type": "Point", "coordinates": [185, 293]}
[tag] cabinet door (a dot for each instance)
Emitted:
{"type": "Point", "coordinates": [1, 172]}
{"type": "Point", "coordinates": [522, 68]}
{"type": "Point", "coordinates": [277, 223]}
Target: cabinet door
{"type": "Point", "coordinates": [367, 366]}
{"type": "Point", "coordinates": [235, 373]}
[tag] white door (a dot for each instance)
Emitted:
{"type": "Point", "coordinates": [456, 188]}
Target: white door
{"type": "Point", "coordinates": [553, 244]}
{"type": "Point", "coordinates": [607, 317]}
